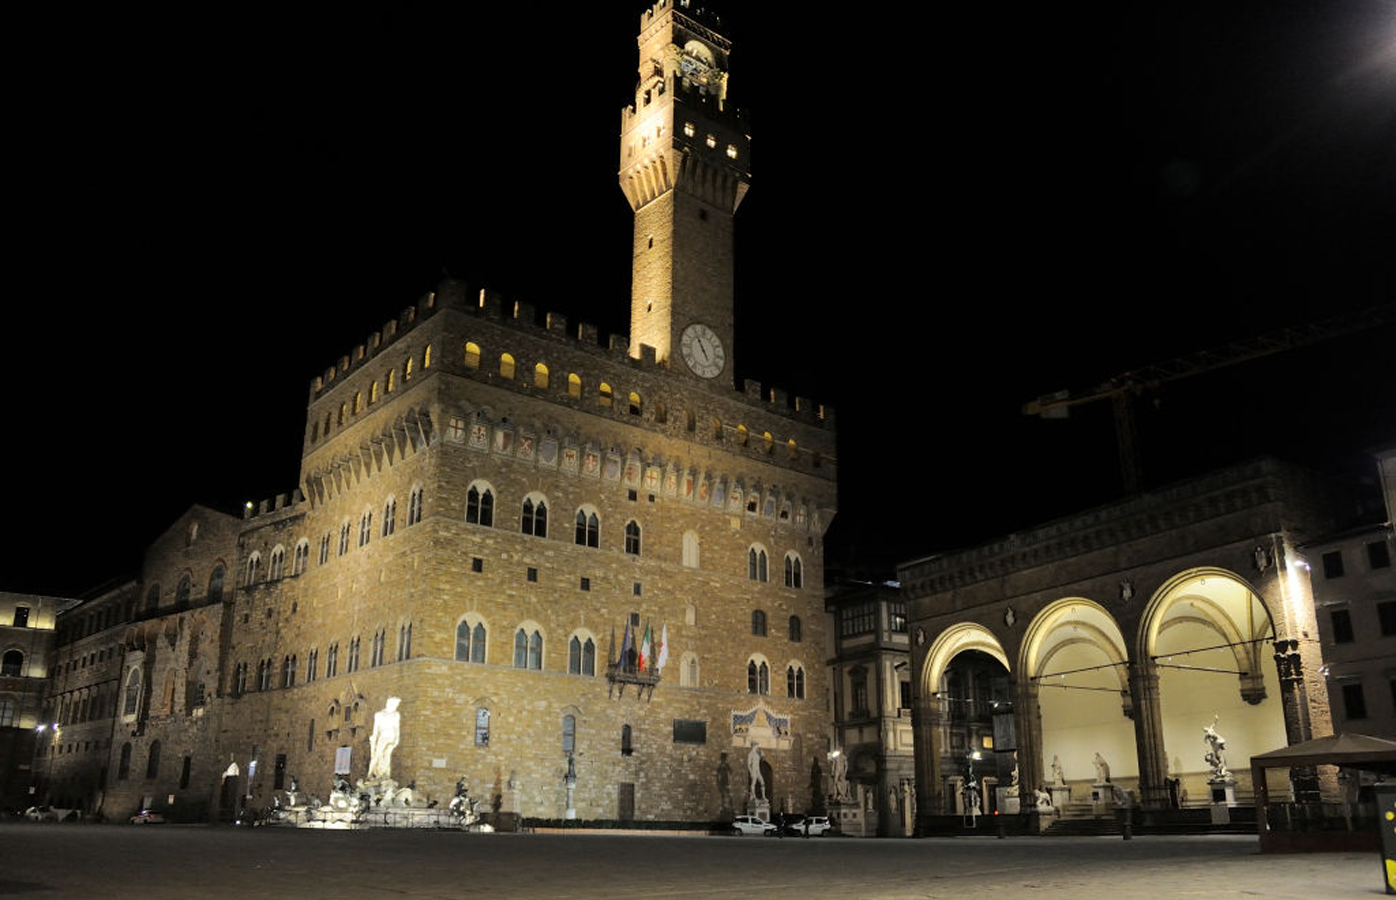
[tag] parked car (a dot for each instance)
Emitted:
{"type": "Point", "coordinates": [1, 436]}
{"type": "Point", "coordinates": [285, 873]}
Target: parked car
{"type": "Point", "coordinates": [41, 814]}
{"type": "Point", "coordinates": [147, 817]}
{"type": "Point", "coordinates": [752, 825]}
{"type": "Point", "coordinates": [818, 825]}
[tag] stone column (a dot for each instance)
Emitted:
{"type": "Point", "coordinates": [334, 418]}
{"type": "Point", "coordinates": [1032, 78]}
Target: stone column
{"type": "Point", "coordinates": [1295, 703]}
{"type": "Point", "coordinates": [1148, 735]}
{"type": "Point", "coordinates": [927, 717]}
{"type": "Point", "coordinates": [1028, 722]}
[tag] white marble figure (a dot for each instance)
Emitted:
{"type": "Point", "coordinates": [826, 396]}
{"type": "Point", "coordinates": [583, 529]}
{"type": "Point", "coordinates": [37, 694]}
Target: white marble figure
{"type": "Point", "coordinates": [1058, 774]}
{"type": "Point", "coordinates": [753, 768]}
{"type": "Point", "coordinates": [1013, 780]}
{"type": "Point", "coordinates": [1044, 799]}
{"type": "Point", "coordinates": [839, 766]}
{"type": "Point", "coordinates": [387, 730]}
{"type": "Point", "coordinates": [1102, 769]}
{"type": "Point", "coordinates": [1216, 751]}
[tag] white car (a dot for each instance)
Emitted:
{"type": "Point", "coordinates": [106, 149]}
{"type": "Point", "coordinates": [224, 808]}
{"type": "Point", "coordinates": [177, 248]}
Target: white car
{"type": "Point", "coordinates": [752, 825]}
{"type": "Point", "coordinates": [147, 817]}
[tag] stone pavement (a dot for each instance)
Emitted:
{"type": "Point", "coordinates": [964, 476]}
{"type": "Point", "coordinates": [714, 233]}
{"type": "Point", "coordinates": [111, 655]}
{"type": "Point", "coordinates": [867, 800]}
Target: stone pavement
{"type": "Point", "coordinates": [174, 861]}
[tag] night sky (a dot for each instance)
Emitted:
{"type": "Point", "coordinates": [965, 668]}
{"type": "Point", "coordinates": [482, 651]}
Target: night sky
{"type": "Point", "coordinates": [952, 211]}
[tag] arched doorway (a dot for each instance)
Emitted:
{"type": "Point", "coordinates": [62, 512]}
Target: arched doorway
{"type": "Point", "coordinates": [1075, 664]}
{"type": "Point", "coordinates": [964, 679]}
{"type": "Point", "coordinates": [1207, 635]}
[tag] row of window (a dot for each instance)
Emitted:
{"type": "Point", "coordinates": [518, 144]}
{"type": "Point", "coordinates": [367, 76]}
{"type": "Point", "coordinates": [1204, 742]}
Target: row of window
{"type": "Point", "coordinates": [269, 675]}
{"type": "Point", "coordinates": [861, 618]}
{"type": "Point", "coordinates": [758, 678]}
{"type": "Point", "coordinates": [1355, 699]}
{"type": "Point", "coordinates": [1378, 557]}
{"type": "Point", "coordinates": [1341, 620]}
{"type": "Point", "coordinates": [795, 631]}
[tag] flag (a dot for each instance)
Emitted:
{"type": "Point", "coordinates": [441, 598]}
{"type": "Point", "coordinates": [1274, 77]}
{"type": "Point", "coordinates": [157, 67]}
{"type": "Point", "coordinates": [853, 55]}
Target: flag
{"type": "Point", "coordinates": [662, 656]}
{"type": "Point", "coordinates": [645, 649]}
{"type": "Point", "coordinates": [624, 659]}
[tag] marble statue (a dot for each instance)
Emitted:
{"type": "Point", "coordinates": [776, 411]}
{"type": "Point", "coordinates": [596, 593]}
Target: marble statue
{"type": "Point", "coordinates": [839, 766]}
{"type": "Point", "coordinates": [1216, 751]}
{"type": "Point", "coordinates": [1102, 769]}
{"type": "Point", "coordinates": [753, 768]}
{"type": "Point", "coordinates": [1013, 779]}
{"type": "Point", "coordinates": [1044, 799]}
{"type": "Point", "coordinates": [386, 733]}
{"type": "Point", "coordinates": [1058, 774]}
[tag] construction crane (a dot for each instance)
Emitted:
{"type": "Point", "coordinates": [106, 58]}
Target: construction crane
{"type": "Point", "coordinates": [1122, 390]}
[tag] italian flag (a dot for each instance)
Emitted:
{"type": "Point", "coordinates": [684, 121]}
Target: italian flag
{"type": "Point", "coordinates": [645, 649]}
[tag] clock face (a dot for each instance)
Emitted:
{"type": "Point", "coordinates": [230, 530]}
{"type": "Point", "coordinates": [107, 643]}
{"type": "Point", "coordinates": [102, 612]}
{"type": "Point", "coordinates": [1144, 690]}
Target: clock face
{"type": "Point", "coordinates": [702, 351]}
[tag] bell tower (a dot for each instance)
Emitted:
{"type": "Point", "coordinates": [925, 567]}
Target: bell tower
{"type": "Point", "coordinates": [684, 168]}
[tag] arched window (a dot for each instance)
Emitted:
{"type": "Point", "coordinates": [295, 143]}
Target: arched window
{"type": "Point", "coordinates": [757, 566]}
{"type": "Point", "coordinates": [426, 357]}
{"type": "Point", "coordinates": [796, 631]}
{"type": "Point", "coordinates": [404, 641]}
{"type": "Point", "coordinates": [690, 549]}
{"type": "Point", "coordinates": [407, 369]}
{"type": "Point", "coordinates": [389, 516]}
{"type": "Point", "coordinates": [794, 571]}
{"type": "Point", "coordinates": [569, 734]}
{"type": "Point", "coordinates": [302, 557]}
{"type": "Point", "coordinates": [472, 355]}
{"type": "Point", "coordinates": [581, 656]}
{"type": "Point", "coordinates": [688, 670]}
{"type": "Point", "coordinates": [332, 661]}
{"type": "Point", "coordinates": [123, 769]}
{"type": "Point", "coordinates": [605, 395]}
{"type": "Point", "coordinates": [588, 528]}
{"type": "Point", "coordinates": [470, 641]}
{"type": "Point", "coordinates": [758, 677]}
{"type": "Point", "coordinates": [479, 505]}
{"type": "Point", "coordinates": [795, 681]}
{"type": "Point", "coordinates": [344, 537]}
{"type": "Point", "coordinates": [392, 380]}
{"type": "Point", "coordinates": [12, 663]}
{"type": "Point", "coordinates": [133, 693]}
{"type": "Point", "coordinates": [288, 672]}
{"type": "Point", "coordinates": [506, 366]}
{"type": "Point", "coordinates": [215, 585]}
{"type": "Point", "coordinates": [534, 520]}
{"type": "Point", "coordinates": [758, 622]}
{"type": "Point", "coordinates": [186, 584]}
{"type": "Point", "coordinates": [414, 506]}
{"type": "Point", "coordinates": [482, 727]}
{"type": "Point", "coordinates": [627, 739]}
{"type": "Point", "coordinates": [540, 376]}
{"type": "Point", "coordinates": [574, 385]}
{"type": "Point", "coordinates": [278, 563]}
{"type": "Point", "coordinates": [358, 402]}
{"type": "Point", "coordinates": [373, 393]}
{"type": "Point", "coordinates": [636, 407]}
{"type": "Point", "coordinates": [528, 649]}
{"type": "Point", "coordinates": [343, 411]}
{"type": "Point", "coordinates": [632, 538]}
{"type": "Point", "coordinates": [365, 528]}
{"type": "Point", "coordinates": [768, 442]}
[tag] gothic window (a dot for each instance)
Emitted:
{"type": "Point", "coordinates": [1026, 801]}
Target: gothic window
{"type": "Point", "coordinates": [352, 663]}
{"type": "Point", "coordinates": [389, 516]}
{"type": "Point", "coordinates": [506, 366]}
{"type": "Point", "coordinates": [479, 505]}
{"type": "Point", "coordinates": [796, 630]}
{"type": "Point", "coordinates": [482, 727]}
{"type": "Point", "coordinates": [688, 670]}
{"type": "Point", "coordinates": [632, 538]}
{"type": "Point", "coordinates": [528, 649]}
{"type": "Point", "coordinates": [12, 663]}
{"type": "Point", "coordinates": [795, 681]}
{"type": "Point", "coordinates": [472, 355]}
{"type": "Point", "coordinates": [794, 571]}
{"type": "Point", "coordinates": [758, 676]}
{"type": "Point", "coordinates": [343, 538]}
{"type": "Point", "coordinates": [540, 376]}
{"type": "Point", "coordinates": [365, 528]}
{"type": "Point", "coordinates": [264, 675]}
{"type": "Point", "coordinates": [240, 678]}
{"type": "Point", "coordinates": [588, 528]}
{"type": "Point", "coordinates": [758, 622]}
{"type": "Point", "coordinates": [470, 641]}
{"type": "Point", "coordinates": [302, 557]}
{"type": "Point", "coordinates": [414, 506]}
{"type": "Point", "coordinates": [690, 549]}
{"type": "Point", "coordinates": [312, 665]}
{"type": "Point", "coordinates": [332, 661]}
{"type": "Point", "coordinates": [324, 548]}
{"type": "Point", "coordinates": [757, 565]}
{"type": "Point", "coordinates": [288, 672]}
{"type": "Point", "coordinates": [534, 520]}
{"type": "Point", "coordinates": [581, 656]}
{"type": "Point", "coordinates": [133, 691]}
{"type": "Point", "coordinates": [404, 641]}
{"type": "Point", "coordinates": [569, 734]}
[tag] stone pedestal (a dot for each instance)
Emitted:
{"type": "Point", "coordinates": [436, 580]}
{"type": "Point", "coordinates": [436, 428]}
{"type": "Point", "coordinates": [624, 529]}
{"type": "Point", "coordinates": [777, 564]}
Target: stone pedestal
{"type": "Point", "coordinates": [849, 818]}
{"type": "Point", "coordinates": [760, 808]}
{"type": "Point", "coordinates": [1008, 802]}
{"type": "Point", "coordinates": [1061, 795]}
{"type": "Point", "coordinates": [1223, 797]}
{"type": "Point", "coordinates": [1102, 799]}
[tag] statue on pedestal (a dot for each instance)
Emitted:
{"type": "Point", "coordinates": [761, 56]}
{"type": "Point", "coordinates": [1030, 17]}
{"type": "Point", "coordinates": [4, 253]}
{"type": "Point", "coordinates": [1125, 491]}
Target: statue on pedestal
{"type": "Point", "coordinates": [753, 768]}
{"type": "Point", "coordinates": [1058, 775]}
{"type": "Point", "coordinates": [386, 733]}
{"type": "Point", "coordinates": [839, 765]}
{"type": "Point", "coordinates": [1216, 751]}
{"type": "Point", "coordinates": [1102, 769]}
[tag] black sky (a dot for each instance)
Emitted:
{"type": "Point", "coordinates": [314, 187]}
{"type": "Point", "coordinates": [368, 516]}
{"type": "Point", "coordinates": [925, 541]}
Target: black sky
{"type": "Point", "coordinates": [951, 212]}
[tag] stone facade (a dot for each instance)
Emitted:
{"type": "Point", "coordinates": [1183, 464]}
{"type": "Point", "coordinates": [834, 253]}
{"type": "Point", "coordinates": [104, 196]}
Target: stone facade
{"type": "Point", "coordinates": [490, 503]}
{"type": "Point", "coordinates": [26, 644]}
